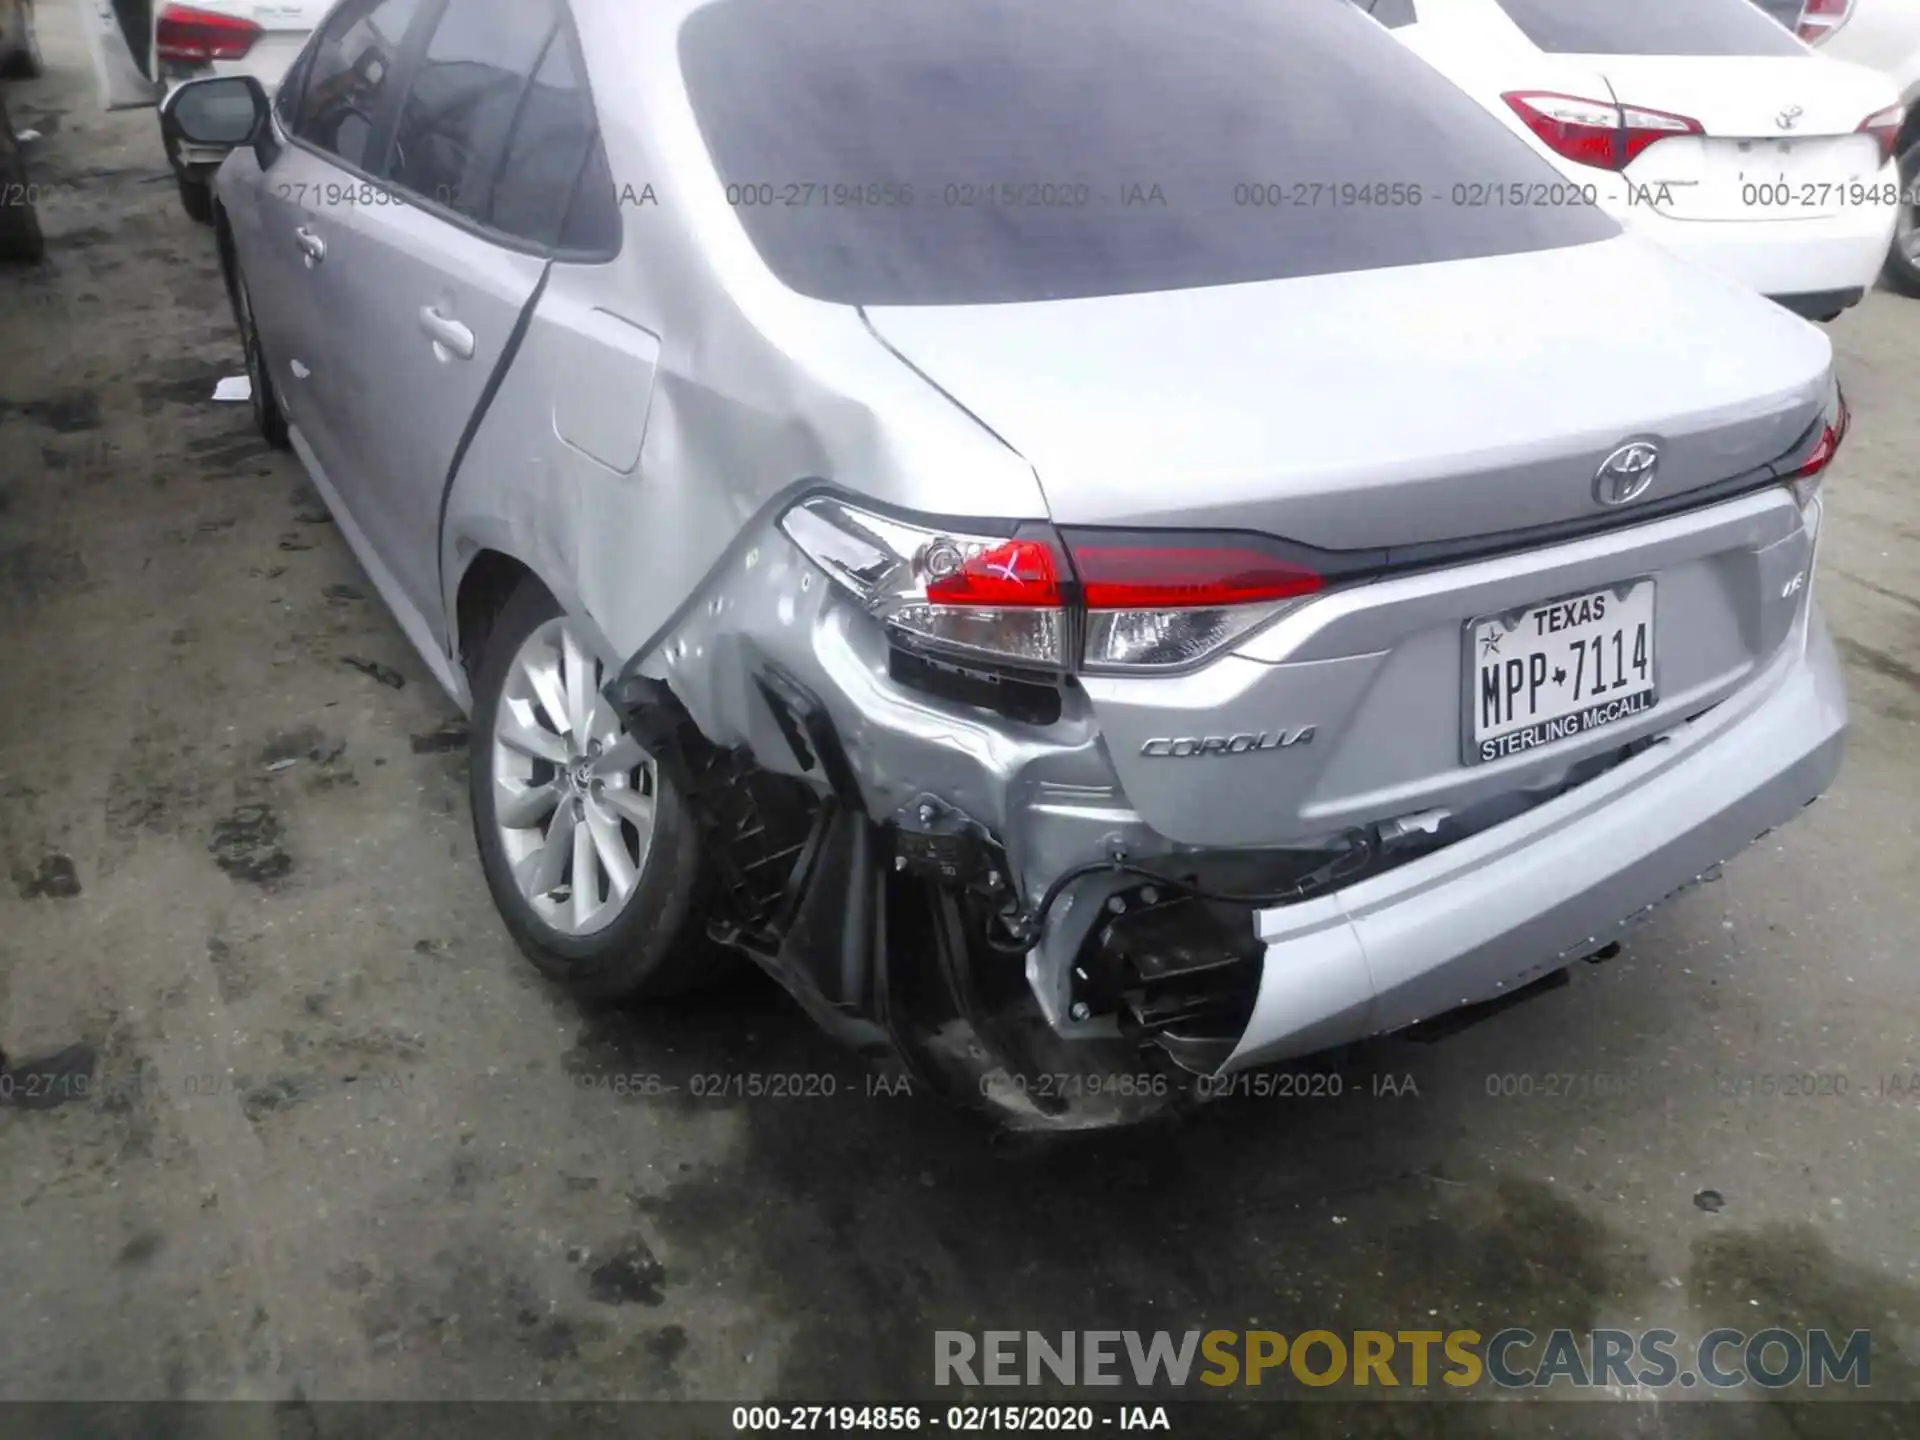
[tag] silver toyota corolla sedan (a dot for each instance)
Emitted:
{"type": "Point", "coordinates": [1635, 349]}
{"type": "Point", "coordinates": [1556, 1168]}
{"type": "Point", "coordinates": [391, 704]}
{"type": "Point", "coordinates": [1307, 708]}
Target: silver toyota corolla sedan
{"type": "Point", "coordinates": [1075, 533]}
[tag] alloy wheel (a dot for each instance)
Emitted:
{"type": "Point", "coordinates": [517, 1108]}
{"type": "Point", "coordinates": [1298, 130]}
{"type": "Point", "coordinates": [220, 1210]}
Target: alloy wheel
{"type": "Point", "coordinates": [573, 792]}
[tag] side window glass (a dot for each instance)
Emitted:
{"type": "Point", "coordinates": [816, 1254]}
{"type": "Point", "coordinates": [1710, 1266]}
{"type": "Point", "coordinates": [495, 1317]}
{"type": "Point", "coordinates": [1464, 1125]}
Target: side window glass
{"type": "Point", "coordinates": [286, 100]}
{"type": "Point", "coordinates": [546, 160]}
{"type": "Point", "coordinates": [453, 130]}
{"type": "Point", "coordinates": [593, 220]}
{"type": "Point", "coordinates": [352, 60]}
{"type": "Point", "coordinates": [1393, 13]}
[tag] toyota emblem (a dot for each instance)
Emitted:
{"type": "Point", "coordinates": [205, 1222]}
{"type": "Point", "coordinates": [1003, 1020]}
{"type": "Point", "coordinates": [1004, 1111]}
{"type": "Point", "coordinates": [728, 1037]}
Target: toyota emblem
{"type": "Point", "coordinates": [1627, 473]}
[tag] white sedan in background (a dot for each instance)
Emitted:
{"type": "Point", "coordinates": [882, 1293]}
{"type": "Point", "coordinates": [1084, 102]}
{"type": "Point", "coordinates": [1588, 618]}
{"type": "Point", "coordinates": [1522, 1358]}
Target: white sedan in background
{"type": "Point", "coordinates": [1883, 35]}
{"type": "Point", "coordinates": [1704, 126]}
{"type": "Point", "coordinates": [143, 49]}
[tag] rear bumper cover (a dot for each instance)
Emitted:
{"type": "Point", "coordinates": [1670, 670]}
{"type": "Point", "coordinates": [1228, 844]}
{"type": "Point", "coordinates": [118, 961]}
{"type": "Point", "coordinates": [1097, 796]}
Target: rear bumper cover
{"type": "Point", "coordinates": [1503, 908]}
{"type": "Point", "coordinates": [1780, 257]}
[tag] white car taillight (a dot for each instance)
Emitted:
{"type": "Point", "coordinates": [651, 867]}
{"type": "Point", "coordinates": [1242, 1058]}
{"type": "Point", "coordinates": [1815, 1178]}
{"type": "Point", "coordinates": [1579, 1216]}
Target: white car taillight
{"type": "Point", "coordinates": [1806, 478]}
{"type": "Point", "coordinates": [1596, 132]}
{"type": "Point", "coordinates": [184, 35]}
{"type": "Point", "coordinates": [1107, 600]}
{"type": "Point", "coordinates": [1884, 126]}
{"type": "Point", "coordinates": [1820, 18]}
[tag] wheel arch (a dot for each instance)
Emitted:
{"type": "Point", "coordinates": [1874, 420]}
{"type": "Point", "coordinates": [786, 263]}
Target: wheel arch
{"type": "Point", "coordinates": [1910, 127]}
{"type": "Point", "coordinates": [480, 593]}
{"type": "Point", "coordinates": [484, 570]}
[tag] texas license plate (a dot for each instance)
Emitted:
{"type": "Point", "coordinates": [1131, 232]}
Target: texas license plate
{"type": "Point", "coordinates": [1558, 671]}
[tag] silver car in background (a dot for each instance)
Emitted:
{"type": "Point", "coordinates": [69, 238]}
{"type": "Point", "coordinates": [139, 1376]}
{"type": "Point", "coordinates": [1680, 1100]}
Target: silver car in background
{"type": "Point", "coordinates": [971, 507]}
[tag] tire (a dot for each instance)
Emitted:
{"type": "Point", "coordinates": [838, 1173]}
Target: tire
{"type": "Point", "coordinates": [607, 946]}
{"type": "Point", "coordinates": [20, 237]}
{"type": "Point", "coordinates": [23, 61]}
{"type": "Point", "coordinates": [196, 198]}
{"type": "Point", "coordinates": [1902, 270]}
{"type": "Point", "coordinates": [268, 416]}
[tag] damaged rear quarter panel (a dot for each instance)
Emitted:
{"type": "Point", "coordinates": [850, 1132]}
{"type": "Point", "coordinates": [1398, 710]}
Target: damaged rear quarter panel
{"type": "Point", "coordinates": [758, 390]}
{"type": "Point", "coordinates": [666, 398]}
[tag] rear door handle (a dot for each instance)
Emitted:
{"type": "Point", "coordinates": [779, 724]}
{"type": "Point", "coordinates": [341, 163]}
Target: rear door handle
{"type": "Point", "coordinates": [447, 334]}
{"type": "Point", "coordinates": [312, 244]}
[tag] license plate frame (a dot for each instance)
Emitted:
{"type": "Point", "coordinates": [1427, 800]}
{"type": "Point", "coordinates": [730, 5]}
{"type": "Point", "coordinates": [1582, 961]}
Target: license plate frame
{"type": "Point", "coordinates": [1642, 699]}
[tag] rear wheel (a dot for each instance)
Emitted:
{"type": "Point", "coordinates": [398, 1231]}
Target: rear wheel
{"type": "Point", "coordinates": [589, 851]}
{"type": "Point", "coordinates": [267, 413]}
{"type": "Point", "coordinates": [1902, 270]}
{"type": "Point", "coordinates": [20, 237]}
{"type": "Point", "coordinates": [196, 198]}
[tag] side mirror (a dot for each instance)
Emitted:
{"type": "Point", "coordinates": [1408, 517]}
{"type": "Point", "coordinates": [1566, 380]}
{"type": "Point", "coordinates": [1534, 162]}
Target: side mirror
{"type": "Point", "coordinates": [223, 113]}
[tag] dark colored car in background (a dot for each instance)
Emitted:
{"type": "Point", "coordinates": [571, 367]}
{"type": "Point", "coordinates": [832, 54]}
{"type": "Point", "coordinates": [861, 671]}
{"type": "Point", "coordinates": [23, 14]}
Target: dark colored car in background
{"type": "Point", "coordinates": [19, 60]}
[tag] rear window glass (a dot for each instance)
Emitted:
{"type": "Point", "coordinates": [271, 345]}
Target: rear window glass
{"type": "Point", "coordinates": [1786, 12]}
{"type": "Point", "coordinates": [1651, 27]}
{"type": "Point", "coordinates": [1007, 150]}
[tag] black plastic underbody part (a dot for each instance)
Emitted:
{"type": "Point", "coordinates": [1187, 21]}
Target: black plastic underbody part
{"type": "Point", "coordinates": [1820, 304]}
{"type": "Point", "coordinates": [801, 885]}
{"type": "Point", "coordinates": [792, 870]}
{"type": "Point", "coordinates": [1464, 1017]}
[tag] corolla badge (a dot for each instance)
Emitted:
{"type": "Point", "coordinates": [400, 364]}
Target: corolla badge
{"type": "Point", "coordinates": [1194, 747]}
{"type": "Point", "coordinates": [1789, 117]}
{"type": "Point", "coordinates": [1626, 474]}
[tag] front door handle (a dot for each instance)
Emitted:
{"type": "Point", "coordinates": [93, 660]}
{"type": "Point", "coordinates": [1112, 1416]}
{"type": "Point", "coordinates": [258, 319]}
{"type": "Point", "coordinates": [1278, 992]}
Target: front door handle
{"type": "Point", "coordinates": [447, 335]}
{"type": "Point", "coordinates": [312, 244]}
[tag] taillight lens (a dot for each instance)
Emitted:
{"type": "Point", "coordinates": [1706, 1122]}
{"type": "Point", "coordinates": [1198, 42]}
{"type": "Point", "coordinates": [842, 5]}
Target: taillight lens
{"type": "Point", "coordinates": [1884, 126]}
{"type": "Point", "coordinates": [1160, 603]}
{"type": "Point", "coordinates": [1595, 132]}
{"type": "Point", "coordinates": [1110, 600]}
{"type": "Point", "coordinates": [992, 598]}
{"type": "Point", "coordinates": [1641, 127]}
{"type": "Point", "coordinates": [186, 36]}
{"type": "Point", "coordinates": [1807, 476]}
{"type": "Point", "coordinates": [1820, 18]}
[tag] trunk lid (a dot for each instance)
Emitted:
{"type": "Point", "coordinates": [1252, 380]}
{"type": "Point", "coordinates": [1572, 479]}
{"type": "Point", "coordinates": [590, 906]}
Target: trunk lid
{"type": "Point", "coordinates": [1789, 124]}
{"type": "Point", "coordinates": [1380, 408]}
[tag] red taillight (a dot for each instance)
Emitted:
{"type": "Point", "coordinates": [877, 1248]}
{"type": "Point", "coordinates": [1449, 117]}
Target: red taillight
{"type": "Point", "coordinates": [1584, 131]}
{"type": "Point", "coordinates": [1595, 132]}
{"type": "Point", "coordinates": [186, 36]}
{"type": "Point", "coordinates": [1014, 573]}
{"type": "Point", "coordinates": [1820, 18]}
{"type": "Point", "coordinates": [1109, 600]}
{"type": "Point", "coordinates": [1884, 126]}
{"type": "Point", "coordinates": [1642, 127]}
{"type": "Point", "coordinates": [1127, 577]}
{"type": "Point", "coordinates": [1828, 445]}
{"type": "Point", "coordinates": [1163, 602]}
{"type": "Point", "coordinates": [1807, 476]}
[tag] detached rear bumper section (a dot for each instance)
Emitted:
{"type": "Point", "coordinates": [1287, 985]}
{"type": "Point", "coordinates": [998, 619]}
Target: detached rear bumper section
{"type": "Point", "coordinates": [829, 764]}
